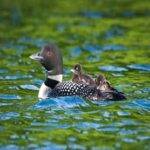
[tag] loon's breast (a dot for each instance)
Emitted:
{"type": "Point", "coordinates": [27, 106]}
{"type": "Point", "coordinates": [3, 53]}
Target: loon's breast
{"type": "Point", "coordinates": [70, 88]}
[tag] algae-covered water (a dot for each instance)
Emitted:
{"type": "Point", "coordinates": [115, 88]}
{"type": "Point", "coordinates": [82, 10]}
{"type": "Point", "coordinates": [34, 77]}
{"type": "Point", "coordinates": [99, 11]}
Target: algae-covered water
{"type": "Point", "coordinates": [108, 37]}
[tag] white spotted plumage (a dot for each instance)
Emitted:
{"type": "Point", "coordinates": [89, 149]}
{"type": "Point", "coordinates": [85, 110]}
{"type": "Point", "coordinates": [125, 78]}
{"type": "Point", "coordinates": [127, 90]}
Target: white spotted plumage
{"type": "Point", "coordinates": [70, 88]}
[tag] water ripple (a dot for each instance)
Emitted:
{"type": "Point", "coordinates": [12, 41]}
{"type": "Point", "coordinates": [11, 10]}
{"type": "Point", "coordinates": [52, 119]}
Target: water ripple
{"type": "Point", "coordinates": [142, 67]}
{"type": "Point", "coordinates": [115, 30]}
{"type": "Point", "coordinates": [109, 129]}
{"type": "Point", "coordinates": [9, 96]}
{"type": "Point", "coordinates": [106, 114]}
{"type": "Point", "coordinates": [92, 48]}
{"type": "Point", "coordinates": [8, 147]}
{"type": "Point", "coordinates": [138, 104]}
{"type": "Point", "coordinates": [18, 47]}
{"type": "Point", "coordinates": [3, 71]}
{"type": "Point", "coordinates": [114, 47]}
{"type": "Point", "coordinates": [87, 125]}
{"type": "Point", "coordinates": [61, 102]}
{"type": "Point", "coordinates": [142, 103]}
{"type": "Point", "coordinates": [129, 140]}
{"type": "Point", "coordinates": [123, 113]}
{"type": "Point", "coordinates": [143, 138]}
{"type": "Point", "coordinates": [9, 115]}
{"type": "Point", "coordinates": [36, 41]}
{"type": "Point", "coordinates": [112, 68]}
{"type": "Point", "coordinates": [93, 58]}
{"type": "Point", "coordinates": [49, 145]}
{"type": "Point", "coordinates": [29, 87]}
{"type": "Point", "coordinates": [92, 14]}
{"type": "Point", "coordinates": [127, 132]}
{"type": "Point", "coordinates": [14, 77]}
{"type": "Point", "coordinates": [5, 104]}
{"type": "Point", "coordinates": [75, 51]}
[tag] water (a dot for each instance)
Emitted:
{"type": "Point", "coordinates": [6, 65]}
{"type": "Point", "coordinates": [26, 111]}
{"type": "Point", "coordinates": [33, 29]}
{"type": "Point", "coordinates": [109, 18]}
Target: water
{"type": "Point", "coordinates": [111, 41]}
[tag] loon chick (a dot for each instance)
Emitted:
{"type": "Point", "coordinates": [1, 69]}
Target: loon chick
{"type": "Point", "coordinates": [104, 85]}
{"type": "Point", "coordinates": [79, 76]}
{"type": "Point", "coordinates": [51, 59]}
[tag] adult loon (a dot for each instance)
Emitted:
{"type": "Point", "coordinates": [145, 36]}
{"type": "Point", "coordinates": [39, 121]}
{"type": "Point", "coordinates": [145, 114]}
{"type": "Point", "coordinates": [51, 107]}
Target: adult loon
{"type": "Point", "coordinates": [79, 76]}
{"type": "Point", "coordinates": [53, 86]}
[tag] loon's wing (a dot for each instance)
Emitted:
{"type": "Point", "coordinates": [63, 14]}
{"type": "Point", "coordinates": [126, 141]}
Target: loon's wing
{"type": "Point", "coordinates": [70, 88]}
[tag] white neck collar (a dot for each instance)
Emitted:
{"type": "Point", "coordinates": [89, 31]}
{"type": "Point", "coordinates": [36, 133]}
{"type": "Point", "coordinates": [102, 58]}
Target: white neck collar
{"type": "Point", "coordinates": [56, 77]}
{"type": "Point", "coordinates": [44, 90]}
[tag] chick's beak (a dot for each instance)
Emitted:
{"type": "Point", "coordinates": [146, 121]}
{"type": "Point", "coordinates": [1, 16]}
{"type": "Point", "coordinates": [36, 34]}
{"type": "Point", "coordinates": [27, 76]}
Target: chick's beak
{"type": "Point", "coordinates": [72, 70]}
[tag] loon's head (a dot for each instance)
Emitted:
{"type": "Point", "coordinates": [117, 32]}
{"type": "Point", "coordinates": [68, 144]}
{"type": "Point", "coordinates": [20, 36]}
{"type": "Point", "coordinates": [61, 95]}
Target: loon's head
{"type": "Point", "coordinates": [77, 69]}
{"type": "Point", "coordinates": [51, 59]}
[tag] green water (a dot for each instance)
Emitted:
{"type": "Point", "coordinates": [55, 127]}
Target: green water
{"type": "Point", "coordinates": [108, 37]}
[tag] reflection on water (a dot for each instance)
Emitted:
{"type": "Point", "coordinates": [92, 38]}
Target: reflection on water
{"type": "Point", "coordinates": [7, 116]}
{"type": "Point", "coordinates": [36, 42]}
{"type": "Point", "coordinates": [29, 87]}
{"type": "Point", "coordinates": [93, 58]}
{"type": "Point", "coordinates": [114, 31]}
{"type": "Point", "coordinates": [112, 68]}
{"type": "Point", "coordinates": [75, 52]}
{"type": "Point", "coordinates": [92, 14]}
{"type": "Point", "coordinates": [61, 102]}
{"type": "Point", "coordinates": [104, 39]}
{"type": "Point", "coordinates": [114, 47]}
{"type": "Point", "coordinates": [9, 96]}
{"type": "Point", "coordinates": [142, 67]}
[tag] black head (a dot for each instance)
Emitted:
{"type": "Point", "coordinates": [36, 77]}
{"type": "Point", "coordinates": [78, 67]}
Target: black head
{"type": "Point", "coordinates": [77, 68]}
{"type": "Point", "coordinates": [50, 58]}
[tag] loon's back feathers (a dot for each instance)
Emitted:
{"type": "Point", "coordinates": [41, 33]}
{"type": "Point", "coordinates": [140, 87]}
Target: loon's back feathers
{"type": "Point", "coordinates": [69, 88]}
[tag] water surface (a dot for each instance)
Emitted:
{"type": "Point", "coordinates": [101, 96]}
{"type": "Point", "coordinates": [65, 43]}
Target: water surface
{"type": "Point", "coordinates": [102, 37]}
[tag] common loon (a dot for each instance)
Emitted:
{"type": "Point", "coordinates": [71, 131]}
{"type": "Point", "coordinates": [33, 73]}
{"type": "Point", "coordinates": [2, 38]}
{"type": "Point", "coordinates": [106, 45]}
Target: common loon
{"type": "Point", "coordinates": [79, 76]}
{"type": "Point", "coordinates": [53, 86]}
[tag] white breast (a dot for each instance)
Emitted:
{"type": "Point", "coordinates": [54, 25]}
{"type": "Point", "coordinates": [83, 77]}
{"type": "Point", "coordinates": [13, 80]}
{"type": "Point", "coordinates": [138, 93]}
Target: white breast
{"type": "Point", "coordinates": [43, 91]}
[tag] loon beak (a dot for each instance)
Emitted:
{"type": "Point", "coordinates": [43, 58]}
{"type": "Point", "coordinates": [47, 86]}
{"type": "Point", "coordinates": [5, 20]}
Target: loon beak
{"type": "Point", "coordinates": [36, 57]}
